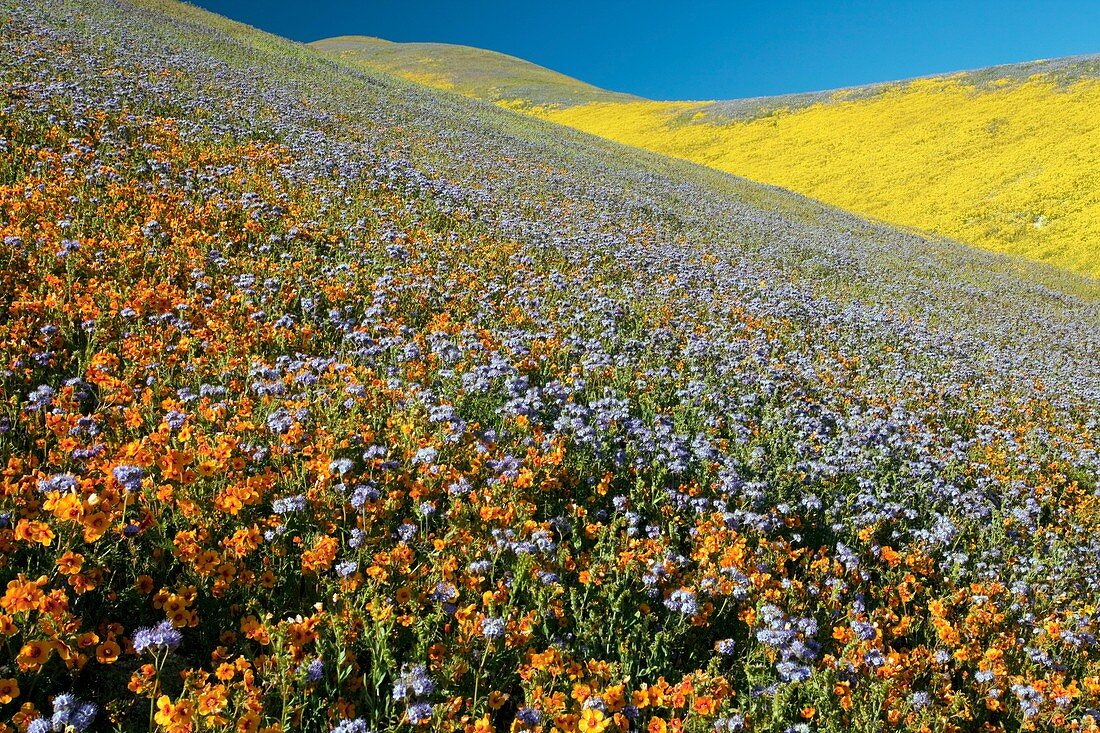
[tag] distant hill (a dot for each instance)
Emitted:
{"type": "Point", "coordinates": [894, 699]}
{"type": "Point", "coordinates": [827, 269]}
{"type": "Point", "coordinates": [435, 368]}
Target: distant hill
{"type": "Point", "coordinates": [473, 72]}
{"type": "Point", "coordinates": [1005, 158]}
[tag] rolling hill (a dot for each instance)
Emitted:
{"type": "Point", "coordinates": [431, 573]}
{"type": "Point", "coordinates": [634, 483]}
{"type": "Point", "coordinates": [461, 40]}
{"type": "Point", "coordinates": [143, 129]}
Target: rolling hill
{"type": "Point", "coordinates": [333, 402]}
{"type": "Point", "coordinates": [1005, 158]}
{"type": "Point", "coordinates": [474, 72]}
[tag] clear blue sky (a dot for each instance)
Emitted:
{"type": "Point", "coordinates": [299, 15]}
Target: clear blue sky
{"type": "Point", "coordinates": [710, 49]}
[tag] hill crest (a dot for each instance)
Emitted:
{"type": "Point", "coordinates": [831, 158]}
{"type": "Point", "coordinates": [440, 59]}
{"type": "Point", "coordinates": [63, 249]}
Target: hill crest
{"type": "Point", "coordinates": [473, 72]}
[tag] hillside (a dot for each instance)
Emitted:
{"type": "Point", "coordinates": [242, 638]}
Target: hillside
{"type": "Point", "coordinates": [1005, 158]}
{"type": "Point", "coordinates": [474, 72]}
{"type": "Point", "coordinates": [334, 402]}
{"type": "Point", "coordinates": [1012, 167]}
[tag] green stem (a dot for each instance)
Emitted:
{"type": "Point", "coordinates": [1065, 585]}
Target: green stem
{"type": "Point", "coordinates": [157, 664]}
{"type": "Point", "coordinates": [477, 677]}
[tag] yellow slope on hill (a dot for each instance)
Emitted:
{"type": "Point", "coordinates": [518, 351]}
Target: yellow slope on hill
{"type": "Point", "coordinates": [1006, 158]}
{"type": "Point", "coordinates": [1012, 166]}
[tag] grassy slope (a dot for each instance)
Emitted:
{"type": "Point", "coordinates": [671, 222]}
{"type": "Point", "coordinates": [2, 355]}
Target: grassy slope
{"type": "Point", "coordinates": [1005, 158]}
{"type": "Point", "coordinates": [379, 214]}
{"type": "Point", "coordinates": [828, 251]}
{"type": "Point", "coordinates": [894, 266]}
{"type": "Point", "coordinates": [486, 75]}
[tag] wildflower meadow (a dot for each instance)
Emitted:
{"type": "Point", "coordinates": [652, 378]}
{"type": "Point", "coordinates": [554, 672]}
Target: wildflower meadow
{"type": "Point", "coordinates": [330, 402]}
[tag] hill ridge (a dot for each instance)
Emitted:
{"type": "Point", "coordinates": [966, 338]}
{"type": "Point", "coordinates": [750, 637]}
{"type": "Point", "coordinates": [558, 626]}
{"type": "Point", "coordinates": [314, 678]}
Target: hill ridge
{"type": "Point", "coordinates": [490, 75]}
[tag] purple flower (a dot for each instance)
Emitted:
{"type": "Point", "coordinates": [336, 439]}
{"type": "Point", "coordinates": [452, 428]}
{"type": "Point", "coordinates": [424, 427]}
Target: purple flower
{"type": "Point", "coordinates": [414, 682]}
{"type": "Point", "coordinates": [175, 419]}
{"type": "Point", "coordinates": [68, 714]}
{"type": "Point", "coordinates": [864, 630]}
{"type": "Point", "coordinates": [420, 712]}
{"type": "Point", "coordinates": [732, 724]}
{"type": "Point", "coordinates": [358, 725]}
{"type": "Point", "coordinates": [82, 717]}
{"type": "Point", "coordinates": [156, 639]}
{"type": "Point", "coordinates": [1030, 700]}
{"type": "Point", "coordinates": [289, 504]}
{"type": "Point", "coordinates": [280, 421]}
{"type": "Point", "coordinates": [682, 600]}
{"type": "Point", "coordinates": [40, 398]}
{"type": "Point", "coordinates": [426, 456]}
{"type": "Point", "coordinates": [529, 716]}
{"type": "Point", "coordinates": [129, 477]}
{"type": "Point", "coordinates": [341, 466]}
{"type": "Point", "coordinates": [492, 628]}
{"type": "Point", "coordinates": [462, 486]}
{"type": "Point", "coordinates": [793, 672]}
{"type": "Point", "coordinates": [363, 494]}
{"type": "Point", "coordinates": [314, 670]}
{"type": "Point", "coordinates": [61, 483]}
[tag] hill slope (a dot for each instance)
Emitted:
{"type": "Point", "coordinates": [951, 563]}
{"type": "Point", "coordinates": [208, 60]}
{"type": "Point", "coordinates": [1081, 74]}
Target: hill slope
{"type": "Point", "coordinates": [1005, 158]}
{"type": "Point", "coordinates": [335, 402]}
{"type": "Point", "coordinates": [474, 72]}
{"type": "Point", "coordinates": [1012, 167]}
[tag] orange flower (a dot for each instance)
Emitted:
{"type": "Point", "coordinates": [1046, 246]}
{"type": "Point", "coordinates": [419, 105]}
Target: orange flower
{"type": "Point", "coordinates": [9, 690]}
{"type": "Point", "coordinates": [212, 700]}
{"type": "Point", "coordinates": [254, 630]}
{"type": "Point", "coordinates": [321, 556]}
{"type": "Point", "coordinates": [34, 654]}
{"type": "Point", "coordinates": [87, 639]}
{"type": "Point", "coordinates": [176, 717]}
{"type": "Point", "coordinates": [67, 507]}
{"type": "Point", "coordinates": [656, 725]}
{"type": "Point", "coordinates": [82, 583]}
{"type": "Point", "coordinates": [615, 697]}
{"type": "Point", "coordinates": [592, 721]}
{"type": "Point", "coordinates": [70, 563]}
{"type": "Point", "coordinates": [141, 680]}
{"type": "Point", "coordinates": [107, 652]}
{"type": "Point", "coordinates": [890, 555]}
{"type": "Point", "coordinates": [249, 722]}
{"type": "Point", "coordinates": [95, 524]}
{"type": "Point", "coordinates": [34, 532]}
{"type": "Point", "coordinates": [21, 596]}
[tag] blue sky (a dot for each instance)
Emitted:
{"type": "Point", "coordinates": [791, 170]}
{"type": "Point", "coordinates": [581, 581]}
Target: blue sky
{"type": "Point", "coordinates": [709, 49]}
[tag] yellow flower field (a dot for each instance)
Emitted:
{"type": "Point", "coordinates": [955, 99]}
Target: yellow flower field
{"type": "Point", "coordinates": [1013, 168]}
